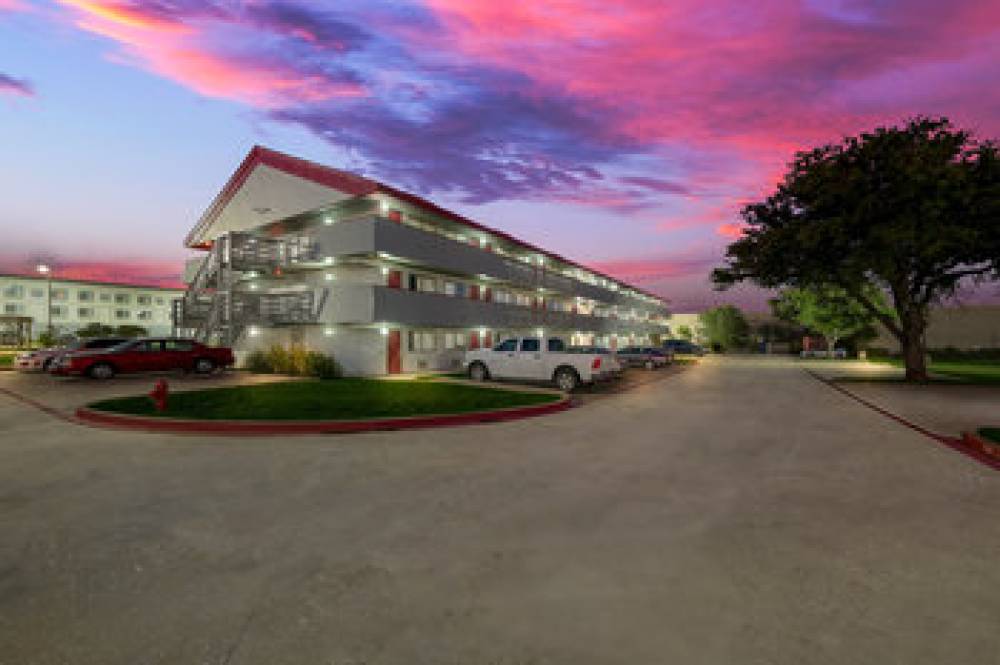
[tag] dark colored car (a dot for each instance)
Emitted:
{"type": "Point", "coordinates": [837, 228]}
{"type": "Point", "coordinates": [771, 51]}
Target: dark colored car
{"type": "Point", "coordinates": [145, 355]}
{"type": "Point", "coordinates": [682, 346]}
{"type": "Point", "coordinates": [44, 359]}
{"type": "Point", "coordinates": [644, 356]}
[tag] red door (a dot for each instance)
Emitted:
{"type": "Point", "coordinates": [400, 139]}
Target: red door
{"type": "Point", "coordinates": [393, 359]}
{"type": "Point", "coordinates": [488, 340]}
{"type": "Point", "coordinates": [395, 279]}
{"type": "Point", "coordinates": [473, 341]}
{"type": "Point", "coordinates": [473, 291]}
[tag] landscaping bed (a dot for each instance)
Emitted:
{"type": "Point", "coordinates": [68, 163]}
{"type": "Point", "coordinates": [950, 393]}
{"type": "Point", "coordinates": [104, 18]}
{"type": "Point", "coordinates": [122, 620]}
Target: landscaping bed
{"type": "Point", "coordinates": [980, 372]}
{"type": "Point", "coordinates": [342, 399]}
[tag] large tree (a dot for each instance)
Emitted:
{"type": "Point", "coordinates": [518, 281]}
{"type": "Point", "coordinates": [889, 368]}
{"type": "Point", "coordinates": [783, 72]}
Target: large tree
{"type": "Point", "coordinates": [912, 210]}
{"type": "Point", "coordinates": [724, 327]}
{"type": "Point", "coordinates": [827, 310]}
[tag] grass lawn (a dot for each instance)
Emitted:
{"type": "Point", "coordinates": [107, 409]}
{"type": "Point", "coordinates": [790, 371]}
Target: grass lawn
{"type": "Point", "coordinates": [340, 399]}
{"type": "Point", "coordinates": [990, 434]}
{"type": "Point", "coordinates": [6, 359]}
{"type": "Point", "coordinates": [960, 371]}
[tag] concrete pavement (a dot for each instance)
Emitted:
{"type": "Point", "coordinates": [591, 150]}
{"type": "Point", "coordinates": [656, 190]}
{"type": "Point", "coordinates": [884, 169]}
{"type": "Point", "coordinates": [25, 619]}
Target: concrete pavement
{"type": "Point", "coordinates": [739, 512]}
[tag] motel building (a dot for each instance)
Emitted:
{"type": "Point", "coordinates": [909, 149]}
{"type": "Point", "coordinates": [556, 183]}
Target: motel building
{"type": "Point", "coordinates": [30, 303]}
{"type": "Point", "coordinates": [292, 252]}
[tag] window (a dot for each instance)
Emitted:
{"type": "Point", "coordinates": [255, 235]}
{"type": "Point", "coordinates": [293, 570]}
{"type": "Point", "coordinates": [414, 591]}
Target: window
{"type": "Point", "coordinates": [523, 300]}
{"type": "Point", "coordinates": [60, 294]}
{"type": "Point", "coordinates": [556, 346]}
{"type": "Point", "coordinates": [123, 314]}
{"type": "Point", "coordinates": [13, 291]}
{"type": "Point", "coordinates": [144, 300]}
{"type": "Point", "coordinates": [122, 298]}
{"type": "Point", "coordinates": [503, 297]}
{"type": "Point", "coordinates": [12, 308]}
{"type": "Point", "coordinates": [506, 346]}
{"type": "Point", "coordinates": [454, 340]}
{"type": "Point", "coordinates": [412, 282]}
{"type": "Point", "coordinates": [421, 341]}
{"type": "Point", "coordinates": [450, 288]}
{"type": "Point", "coordinates": [178, 345]}
{"type": "Point", "coordinates": [37, 293]}
{"type": "Point", "coordinates": [530, 345]}
{"type": "Point", "coordinates": [159, 302]}
{"type": "Point", "coordinates": [84, 312]}
{"type": "Point", "coordinates": [149, 346]}
{"type": "Point", "coordinates": [104, 297]}
{"type": "Point", "coordinates": [426, 284]}
{"type": "Point", "coordinates": [85, 296]}
{"type": "Point", "coordinates": [145, 315]}
{"type": "Point", "coordinates": [58, 312]}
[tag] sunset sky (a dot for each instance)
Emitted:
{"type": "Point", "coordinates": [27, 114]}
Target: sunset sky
{"type": "Point", "coordinates": [623, 134]}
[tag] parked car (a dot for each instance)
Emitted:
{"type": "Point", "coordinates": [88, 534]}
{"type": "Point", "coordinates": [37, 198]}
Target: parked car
{"type": "Point", "coordinates": [682, 346]}
{"type": "Point", "coordinates": [145, 355]}
{"type": "Point", "coordinates": [644, 356]}
{"type": "Point", "coordinates": [611, 366]}
{"type": "Point", "coordinates": [40, 360]}
{"type": "Point", "coordinates": [537, 359]}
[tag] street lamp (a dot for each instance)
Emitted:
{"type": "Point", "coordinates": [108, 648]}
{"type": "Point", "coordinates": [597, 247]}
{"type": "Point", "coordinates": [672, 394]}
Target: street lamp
{"type": "Point", "coordinates": [44, 269]}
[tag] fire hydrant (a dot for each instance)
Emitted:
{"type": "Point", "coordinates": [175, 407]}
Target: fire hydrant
{"type": "Point", "coordinates": [159, 394]}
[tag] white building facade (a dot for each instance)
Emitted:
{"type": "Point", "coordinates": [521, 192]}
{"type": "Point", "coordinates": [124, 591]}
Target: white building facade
{"type": "Point", "coordinates": [386, 282]}
{"type": "Point", "coordinates": [71, 304]}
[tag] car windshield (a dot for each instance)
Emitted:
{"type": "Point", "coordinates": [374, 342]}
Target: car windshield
{"type": "Point", "coordinates": [122, 345]}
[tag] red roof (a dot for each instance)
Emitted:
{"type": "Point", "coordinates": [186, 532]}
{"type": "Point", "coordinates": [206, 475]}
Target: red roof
{"type": "Point", "coordinates": [356, 185]}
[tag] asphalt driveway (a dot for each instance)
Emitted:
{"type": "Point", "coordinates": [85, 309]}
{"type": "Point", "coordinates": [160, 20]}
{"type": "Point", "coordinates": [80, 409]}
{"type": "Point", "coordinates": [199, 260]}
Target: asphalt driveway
{"type": "Point", "coordinates": [738, 512]}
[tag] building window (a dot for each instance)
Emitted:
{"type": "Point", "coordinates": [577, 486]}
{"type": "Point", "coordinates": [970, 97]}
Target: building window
{"type": "Point", "coordinates": [37, 293]}
{"type": "Point", "coordinates": [144, 300]}
{"type": "Point", "coordinates": [523, 300]}
{"type": "Point", "coordinates": [178, 345]}
{"type": "Point", "coordinates": [12, 308]}
{"type": "Point", "coordinates": [123, 314]}
{"type": "Point", "coordinates": [418, 341]}
{"type": "Point", "coordinates": [454, 340]}
{"type": "Point", "coordinates": [85, 296]}
{"type": "Point", "coordinates": [159, 302]}
{"type": "Point", "coordinates": [122, 298]}
{"type": "Point", "coordinates": [426, 284]}
{"type": "Point", "coordinates": [104, 297]}
{"type": "Point", "coordinates": [145, 315]}
{"type": "Point", "coordinates": [84, 313]}
{"type": "Point", "coordinates": [13, 291]}
{"type": "Point", "coordinates": [58, 312]}
{"type": "Point", "coordinates": [454, 289]}
{"type": "Point", "coordinates": [60, 294]}
{"type": "Point", "coordinates": [412, 282]}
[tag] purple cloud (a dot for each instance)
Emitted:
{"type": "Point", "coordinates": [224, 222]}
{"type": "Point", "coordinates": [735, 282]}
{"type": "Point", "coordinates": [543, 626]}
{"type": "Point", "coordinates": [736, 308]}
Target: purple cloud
{"type": "Point", "coordinates": [17, 87]}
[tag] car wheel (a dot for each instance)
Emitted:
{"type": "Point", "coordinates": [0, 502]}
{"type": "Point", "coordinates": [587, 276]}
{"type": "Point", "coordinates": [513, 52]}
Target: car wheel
{"type": "Point", "coordinates": [203, 366]}
{"type": "Point", "coordinates": [101, 371]}
{"type": "Point", "coordinates": [566, 379]}
{"type": "Point", "coordinates": [478, 372]}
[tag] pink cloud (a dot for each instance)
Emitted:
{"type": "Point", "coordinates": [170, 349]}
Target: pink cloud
{"type": "Point", "coordinates": [731, 231]}
{"type": "Point", "coordinates": [15, 87]}
{"type": "Point", "coordinates": [124, 271]}
{"type": "Point", "coordinates": [183, 49]}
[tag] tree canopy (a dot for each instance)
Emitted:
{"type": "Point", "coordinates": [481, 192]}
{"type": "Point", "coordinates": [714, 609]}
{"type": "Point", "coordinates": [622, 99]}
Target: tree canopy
{"type": "Point", "coordinates": [827, 310]}
{"type": "Point", "coordinates": [724, 327]}
{"type": "Point", "coordinates": [910, 210]}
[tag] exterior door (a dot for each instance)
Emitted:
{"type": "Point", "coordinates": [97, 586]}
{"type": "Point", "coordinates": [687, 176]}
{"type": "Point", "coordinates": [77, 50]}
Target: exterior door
{"type": "Point", "coordinates": [393, 357]}
{"type": "Point", "coordinates": [395, 279]}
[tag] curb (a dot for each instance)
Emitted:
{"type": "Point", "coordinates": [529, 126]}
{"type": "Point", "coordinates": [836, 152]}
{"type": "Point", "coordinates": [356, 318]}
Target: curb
{"type": "Point", "coordinates": [272, 427]}
{"type": "Point", "coordinates": [960, 445]}
{"type": "Point", "coordinates": [985, 446]}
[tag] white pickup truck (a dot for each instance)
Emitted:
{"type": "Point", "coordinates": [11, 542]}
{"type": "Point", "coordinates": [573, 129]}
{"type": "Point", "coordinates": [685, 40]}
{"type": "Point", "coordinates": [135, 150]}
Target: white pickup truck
{"type": "Point", "coordinates": [539, 359]}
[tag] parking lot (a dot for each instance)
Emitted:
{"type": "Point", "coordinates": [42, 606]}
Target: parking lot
{"type": "Point", "coordinates": [740, 511]}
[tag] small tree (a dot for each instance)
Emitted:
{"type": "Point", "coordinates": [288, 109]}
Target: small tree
{"type": "Point", "coordinates": [724, 327]}
{"type": "Point", "coordinates": [95, 330]}
{"type": "Point", "coordinates": [128, 330]}
{"type": "Point", "coordinates": [685, 332]}
{"type": "Point", "coordinates": [827, 310]}
{"type": "Point", "coordinates": [913, 210]}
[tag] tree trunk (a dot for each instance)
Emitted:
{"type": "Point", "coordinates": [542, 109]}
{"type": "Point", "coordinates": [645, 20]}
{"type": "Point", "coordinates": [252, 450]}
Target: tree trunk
{"type": "Point", "coordinates": [914, 346]}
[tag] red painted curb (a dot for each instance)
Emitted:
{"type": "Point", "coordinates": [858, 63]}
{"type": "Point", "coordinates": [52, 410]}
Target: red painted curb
{"type": "Point", "coordinates": [960, 445]}
{"type": "Point", "coordinates": [272, 427]}
{"type": "Point", "coordinates": [985, 446]}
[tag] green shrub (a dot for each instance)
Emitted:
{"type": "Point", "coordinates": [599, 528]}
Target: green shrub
{"type": "Point", "coordinates": [293, 361]}
{"type": "Point", "coordinates": [258, 363]}
{"type": "Point", "coordinates": [322, 366]}
{"type": "Point", "coordinates": [952, 354]}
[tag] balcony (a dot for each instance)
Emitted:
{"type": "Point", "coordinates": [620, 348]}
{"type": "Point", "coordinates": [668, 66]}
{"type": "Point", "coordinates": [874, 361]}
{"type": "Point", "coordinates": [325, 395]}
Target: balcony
{"type": "Point", "coordinates": [371, 235]}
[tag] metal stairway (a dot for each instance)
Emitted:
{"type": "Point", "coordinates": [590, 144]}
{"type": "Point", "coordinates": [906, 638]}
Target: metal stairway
{"type": "Point", "coordinates": [218, 307]}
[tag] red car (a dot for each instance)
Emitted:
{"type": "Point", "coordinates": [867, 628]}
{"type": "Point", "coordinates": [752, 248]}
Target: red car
{"type": "Point", "coordinates": [145, 355]}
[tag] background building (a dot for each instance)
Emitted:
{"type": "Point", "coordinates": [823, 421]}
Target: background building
{"type": "Point", "coordinates": [964, 327]}
{"type": "Point", "coordinates": [387, 282]}
{"type": "Point", "coordinates": [76, 303]}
